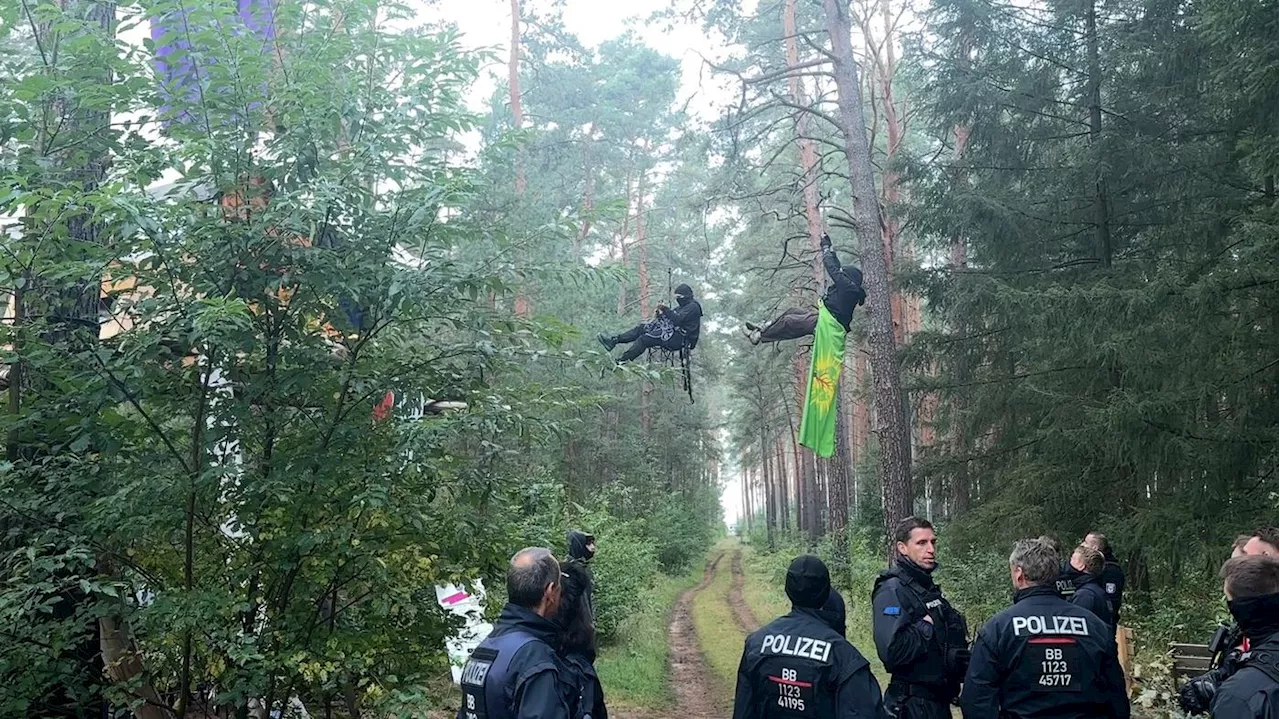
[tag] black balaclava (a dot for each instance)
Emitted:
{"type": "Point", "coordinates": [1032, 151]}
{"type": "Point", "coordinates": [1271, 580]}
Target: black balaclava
{"type": "Point", "coordinates": [1257, 616]}
{"type": "Point", "coordinates": [578, 542]}
{"type": "Point", "coordinates": [833, 612]}
{"type": "Point", "coordinates": [684, 295]}
{"type": "Point", "coordinates": [808, 582]}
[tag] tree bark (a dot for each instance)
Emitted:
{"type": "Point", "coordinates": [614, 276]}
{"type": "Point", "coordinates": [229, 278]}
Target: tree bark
{"type": "Point", "coordinates": [1101, 202]}
{"type": "Point", "coordinates": [895, 458]}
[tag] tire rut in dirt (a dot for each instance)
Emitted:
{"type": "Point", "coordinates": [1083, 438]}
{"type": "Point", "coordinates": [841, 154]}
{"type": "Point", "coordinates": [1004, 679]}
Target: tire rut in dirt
{"type": "Point", "coordinates": [687, 671]}
{"type": "Point", "coordinates": [742, 614]}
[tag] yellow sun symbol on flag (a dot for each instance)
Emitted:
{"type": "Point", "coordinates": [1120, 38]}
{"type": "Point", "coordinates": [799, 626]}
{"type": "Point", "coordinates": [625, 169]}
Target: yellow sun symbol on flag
{"type": "Point", "coordinates": [826, 371]}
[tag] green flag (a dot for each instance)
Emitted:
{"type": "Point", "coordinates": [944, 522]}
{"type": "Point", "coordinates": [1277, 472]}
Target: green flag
{"type": "Point", "coordinates": [818, 426]}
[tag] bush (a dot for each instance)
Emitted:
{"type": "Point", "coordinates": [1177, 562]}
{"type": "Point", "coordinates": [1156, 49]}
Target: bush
{"type": "Point", "coordinates": [624, 568]}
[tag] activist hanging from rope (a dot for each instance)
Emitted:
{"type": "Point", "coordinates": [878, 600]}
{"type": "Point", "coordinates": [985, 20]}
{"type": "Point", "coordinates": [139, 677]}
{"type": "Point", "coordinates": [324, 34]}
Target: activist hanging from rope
{"type": "Point", "coordinates": [828, 323]}
{"type": "Point", "coordinates": [672, 329]}
{"type": "Point", "coordinates": [843, 295]}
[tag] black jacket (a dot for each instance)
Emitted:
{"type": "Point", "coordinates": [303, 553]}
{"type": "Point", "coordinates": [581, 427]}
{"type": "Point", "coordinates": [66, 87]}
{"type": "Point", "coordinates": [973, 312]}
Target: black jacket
{"type": "Point", "coordinates": [799, 666]}
{"type": "Point", "coordinates": [845, 292]}
{"type": "Point", "coordinates": [1090, 595]}
{"type": "Point", "coordinates": [1252, 690]}
{"type": "Point", "coordinates": [534, 685]}
{"type": "Point", "coordinates": [929, 656]}
{"type": "Point", "coordinates": [687, 317]}
{"type": "Point", "coordinates": [1044, 657]}
{"type": "Point", "coordinates": [587, 701]}
{"type": "Point", "coordinates": [1112, 578]}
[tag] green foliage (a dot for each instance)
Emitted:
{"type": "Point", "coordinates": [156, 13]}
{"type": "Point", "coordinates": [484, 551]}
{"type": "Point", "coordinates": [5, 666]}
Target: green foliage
{"type": "Point", "coordinates": [286, 235]}
{"type": "Point", "coordinates": [633, 666]}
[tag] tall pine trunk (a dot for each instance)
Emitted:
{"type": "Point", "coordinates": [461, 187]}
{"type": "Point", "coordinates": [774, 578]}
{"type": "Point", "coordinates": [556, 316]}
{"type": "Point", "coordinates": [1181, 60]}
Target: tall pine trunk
{"type": "Point", "coordinates": [894, 435]}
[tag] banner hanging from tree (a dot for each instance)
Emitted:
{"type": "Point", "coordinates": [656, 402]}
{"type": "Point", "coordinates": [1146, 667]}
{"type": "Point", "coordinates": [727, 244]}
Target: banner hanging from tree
{"type": "Point", "coordinates": [818, 425]}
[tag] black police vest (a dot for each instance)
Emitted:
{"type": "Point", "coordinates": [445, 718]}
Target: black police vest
{"type": "Point", "coordinates": [484, 676]}
{"type": "Point", "coordinates": [1055, 664]}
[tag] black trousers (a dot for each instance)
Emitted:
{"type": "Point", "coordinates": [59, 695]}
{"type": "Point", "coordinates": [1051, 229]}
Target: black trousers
{"type": "Point", "coordinates": [792, 324]}
{"type": "Point", "coordinates": [641, 340]}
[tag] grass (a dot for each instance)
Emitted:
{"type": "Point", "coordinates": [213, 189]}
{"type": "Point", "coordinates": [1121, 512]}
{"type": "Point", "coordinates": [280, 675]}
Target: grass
{"type": "Point", "coordinates": [718, 634]}
{"type": "Point", "coordinates": [633, 667]}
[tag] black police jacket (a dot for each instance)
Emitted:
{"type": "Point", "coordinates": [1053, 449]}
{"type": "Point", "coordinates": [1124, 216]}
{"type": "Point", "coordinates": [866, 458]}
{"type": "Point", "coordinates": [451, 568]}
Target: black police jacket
{"type": "Point", "coordinates": [1090, 595]}
{"type": "Point", "coordinates": [1044, 657]}
{"type": "Point", "coordinates": [914, 651]}
{"type": "Point", "coordinates": [799, 666]}
{"type": "Point", "coordinates": [1252, 690]}
{"type": "Point", "coordinates": [1112, 578]}
{"type": "Point", "coordinates": [515, 672]}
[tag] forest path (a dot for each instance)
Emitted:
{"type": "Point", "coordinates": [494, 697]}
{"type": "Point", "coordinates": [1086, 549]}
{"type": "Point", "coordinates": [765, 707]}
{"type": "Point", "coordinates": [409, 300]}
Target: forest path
{"type": "Point", "coordinates": [742, 614]}
{"type": "Point", "coordinates": [688, 673]}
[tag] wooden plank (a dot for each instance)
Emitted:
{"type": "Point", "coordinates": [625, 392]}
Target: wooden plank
{"type": "Point", "coordinates": [1189, 650]}
{"type": "Point", "coordinates": [1124, 647]}
{"type": "Point", "coordinates": [1196, 665]}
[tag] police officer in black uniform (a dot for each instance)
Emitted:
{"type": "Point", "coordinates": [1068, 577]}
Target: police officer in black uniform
{"type": "Point", "coordinates": [1085, 570]}
{"type": "Point", "coordinates": [515, 672]}
{"type": "Point", "coordinates": [799, 665]}
{"type": "Point", "coordinates": [920, 639]}
{"type": "Point", "coordinates": [1043, 657]}
{"type": "Point", "coordinates": [1112, 574]}
{"type": "Point", "coordinates": [1250, 583]}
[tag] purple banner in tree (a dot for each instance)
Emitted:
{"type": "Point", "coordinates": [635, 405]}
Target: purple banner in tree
{"type": "Point", "coordinates": [184, 70]}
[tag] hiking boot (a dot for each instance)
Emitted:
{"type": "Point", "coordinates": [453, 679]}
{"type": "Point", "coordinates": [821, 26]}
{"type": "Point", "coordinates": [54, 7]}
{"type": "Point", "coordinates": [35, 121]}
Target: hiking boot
{"type": "Point", "coordinates": [608, 342]}
{"type": "Point", "coordinates": [752, 334]}
{"type": "Point", "coordinates": [750, 327]}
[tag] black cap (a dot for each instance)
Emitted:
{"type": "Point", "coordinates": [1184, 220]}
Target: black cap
{"type": "Point", "coordinates": [808, 582]}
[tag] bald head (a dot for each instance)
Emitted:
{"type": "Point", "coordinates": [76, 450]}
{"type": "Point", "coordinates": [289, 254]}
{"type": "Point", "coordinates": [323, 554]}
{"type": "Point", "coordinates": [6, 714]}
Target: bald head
{"type": "Point", "coordinates": [533, 580]}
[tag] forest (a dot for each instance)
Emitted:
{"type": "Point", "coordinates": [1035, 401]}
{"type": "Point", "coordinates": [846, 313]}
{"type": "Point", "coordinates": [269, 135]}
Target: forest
{"type": "Point", "coordinates": [302, 301]}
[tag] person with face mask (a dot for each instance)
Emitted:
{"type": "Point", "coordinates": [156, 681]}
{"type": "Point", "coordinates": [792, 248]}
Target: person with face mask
{"type": "Point", "coordinates": [1230, 643]}
{"type": "Point", "coordinates": [1250, 585]}
{"type": "Point", "coordinates": [582, 546]}
{"type": "Point", "coordinates": [800, 665]}
{"type": "Point", "coordinates": [1043, 657]}
{"type": "Point", "coordinates": [1084, 572]}
{"type": "Point", "coordinates": [842, 297]}
{"type": "Point", "coordinates": [516, 672]}
{"type": "Point", "coordinates": [670, 329]}
{"type": "Point", "coordinates": [920, 639]}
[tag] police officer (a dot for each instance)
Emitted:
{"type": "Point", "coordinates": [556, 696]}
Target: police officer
{"type": "Point", "coordinates": [1044, 656]}
{"type": "Point", "coordinates": [1084, 570]}
{"type": "Point", "coordinates": [919, 637]}
{"type": "Point", "coordinates": [1112, 574]}
{"type": "Point", "coordinates": [515, 673]}
{"type": "Point", "coordinates": [799, 665]}
{"type": "Point", "coordinates": [1250, 583]}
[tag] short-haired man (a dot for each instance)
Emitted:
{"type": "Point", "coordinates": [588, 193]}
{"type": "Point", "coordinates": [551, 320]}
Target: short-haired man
{"type": "Point", "coordinates": [1043, 656]}
{"type": "Point", "coordinates": [920, 639]}
{"type": "Point", "coordinates": [1084, 572]}
{"type": "Point", "coordinates": [1230, 645]}
{"type": "Point", "coordinates": [515, 673]}
{"type": "Point", "coordinates": [1261, 543]}
{"type": "Point", "coordinates": [800, 664]}
{"type": "Point", "coordinates": [1250, 585]}
{"type": "Point", "coordinates": [1112, 574]}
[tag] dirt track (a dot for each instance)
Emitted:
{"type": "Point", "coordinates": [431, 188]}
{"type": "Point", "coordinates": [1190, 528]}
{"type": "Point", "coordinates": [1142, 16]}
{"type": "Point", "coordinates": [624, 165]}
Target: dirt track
{"type": "Point", "coordinates": [742, 614]}
{"type": "Point", "coordinates": [687, 669]}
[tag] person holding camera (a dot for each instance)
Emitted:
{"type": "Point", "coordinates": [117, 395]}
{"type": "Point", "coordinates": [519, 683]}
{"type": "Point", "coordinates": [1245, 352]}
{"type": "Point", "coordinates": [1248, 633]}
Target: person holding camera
{"type": "Point", "coordinates": [1229, 643]}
